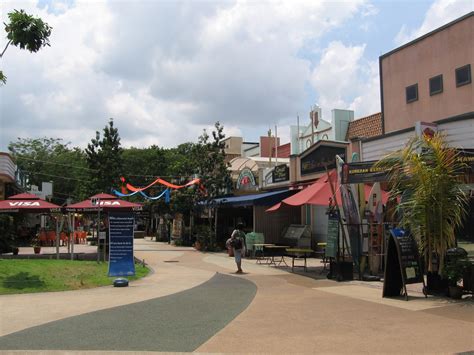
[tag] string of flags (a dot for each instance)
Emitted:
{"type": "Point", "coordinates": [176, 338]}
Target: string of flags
{"type": "Point", "coordinates": [126, 187]}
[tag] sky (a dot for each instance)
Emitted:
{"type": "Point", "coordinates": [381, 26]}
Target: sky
{"type": "Point", "coordinates": [166, 70]}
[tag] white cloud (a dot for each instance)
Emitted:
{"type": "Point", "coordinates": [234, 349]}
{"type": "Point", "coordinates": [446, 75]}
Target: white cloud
{"type": "Point", "coordinates": [440, 13]}
{"type": "Point", "coordinates": [166, 70]}
{"type": "Point", "coordinates": [345, 80]}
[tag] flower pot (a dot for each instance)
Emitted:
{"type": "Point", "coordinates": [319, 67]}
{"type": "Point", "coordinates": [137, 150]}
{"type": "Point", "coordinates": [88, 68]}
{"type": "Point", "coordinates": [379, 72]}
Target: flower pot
{"type": "Point", "coordinates": [455, 292]}
{"type": "Point", "coordinates": [37, 250]}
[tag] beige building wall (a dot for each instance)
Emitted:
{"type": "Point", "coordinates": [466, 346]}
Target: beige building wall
{"type": "Point", "coordinates": [439, 53]}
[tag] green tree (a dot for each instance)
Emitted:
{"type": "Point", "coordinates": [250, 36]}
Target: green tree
{"type": "Point", "coordinates": [26, 32]}
{"type": "Point", "coordinates": [426, 176]}
{"type": "Point", "coordinates": [104, 155]}
{"type": "Point", "coordinates": [212, 169]}
{"type": "Point", "coordinates": [51, 160]}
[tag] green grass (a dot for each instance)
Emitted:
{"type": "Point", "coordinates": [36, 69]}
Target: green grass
{"type": "Point", "coordinates": [28, 276]}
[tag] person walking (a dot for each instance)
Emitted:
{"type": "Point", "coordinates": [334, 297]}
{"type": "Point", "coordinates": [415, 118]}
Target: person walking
{"type": "Point", "coordinates": [237, 242]}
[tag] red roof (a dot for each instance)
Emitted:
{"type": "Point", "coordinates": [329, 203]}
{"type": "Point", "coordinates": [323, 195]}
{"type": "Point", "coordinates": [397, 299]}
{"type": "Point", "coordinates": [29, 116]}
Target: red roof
{"type": "Point", "coordinates": [27, 203]}
{"type": "Point", "coordinates": [319, 194]}
{"type": "Point", "coordinates": [107, 202]}
{"type": "Point", "coordinates": [365, 127]}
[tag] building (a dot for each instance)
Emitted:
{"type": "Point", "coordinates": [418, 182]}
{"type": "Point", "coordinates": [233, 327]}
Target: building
{"type": "Point", "coordinates": [12, 181]}
{"type": "Point", "coordinates": [426, 86]}
{"type": "Point", "coordinates": [427, 82]}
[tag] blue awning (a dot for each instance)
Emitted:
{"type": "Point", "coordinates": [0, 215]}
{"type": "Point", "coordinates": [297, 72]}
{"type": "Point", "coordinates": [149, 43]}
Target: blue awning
{"type": "Point", "coordinates": [263, 199]}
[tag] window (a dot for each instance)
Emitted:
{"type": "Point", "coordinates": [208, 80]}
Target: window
{"type": "Point", "coordinates": [463, 75]}
{"type": "Point", "coordinates": [412, 93]}
{"type": "Point", "coordinates": [436, 85]}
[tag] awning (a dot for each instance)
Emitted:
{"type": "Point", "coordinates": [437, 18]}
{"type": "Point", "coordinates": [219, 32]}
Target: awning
{"type": "Point", "coordinates": [319, 194]}
{"type": "Point", "coordinates": [263, 199]}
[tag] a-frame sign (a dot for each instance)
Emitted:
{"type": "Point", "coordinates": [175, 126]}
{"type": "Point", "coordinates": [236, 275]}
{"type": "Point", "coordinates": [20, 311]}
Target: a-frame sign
{"type": "Point", "coordinates": [402, 264]}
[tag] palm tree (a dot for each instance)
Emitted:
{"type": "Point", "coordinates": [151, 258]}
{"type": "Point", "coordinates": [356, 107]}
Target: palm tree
{"type": "Point", "coordinates": [426, 174]}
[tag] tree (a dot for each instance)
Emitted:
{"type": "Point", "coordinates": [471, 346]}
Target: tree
{"type": "Point", "coordinates": [26, 32]}
{"type": "Point", "coordinates": [426, 176]}
{"type": "Point", "coordinates": [51, 160]}
{"type": "Point", "coordinates": [212, 169]}
{"type": "Point", "coordinates": [104, 155]}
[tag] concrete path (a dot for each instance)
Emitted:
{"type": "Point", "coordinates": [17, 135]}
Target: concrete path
{"type": "Point", "coordinates": [290, 313]}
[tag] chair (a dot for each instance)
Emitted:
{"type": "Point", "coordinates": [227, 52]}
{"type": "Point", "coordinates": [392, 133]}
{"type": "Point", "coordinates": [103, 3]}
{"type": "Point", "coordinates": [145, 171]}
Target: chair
{"type": "Point", "coordinates": [63, 238]}
{"type": "Point", "coordinates": [43, 238]}
{"type": "Point", "coordinates": [51, 237]}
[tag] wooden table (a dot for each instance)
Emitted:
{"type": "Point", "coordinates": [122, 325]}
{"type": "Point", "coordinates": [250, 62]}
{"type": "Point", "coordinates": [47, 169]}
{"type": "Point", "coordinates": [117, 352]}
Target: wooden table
{"type": "Point", "coordinates": [276, 251]}
{"type": "Point", "coordinates": [299, 254]}
{"type": "Point", "coordinates": [259, 247]}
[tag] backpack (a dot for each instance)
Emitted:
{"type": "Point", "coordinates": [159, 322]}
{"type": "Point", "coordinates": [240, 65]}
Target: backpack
{"type": "Point", "coordinates": [236, 243]}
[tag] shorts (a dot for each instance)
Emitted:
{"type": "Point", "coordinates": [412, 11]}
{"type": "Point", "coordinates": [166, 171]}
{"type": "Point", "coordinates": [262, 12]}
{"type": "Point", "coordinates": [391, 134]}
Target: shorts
{"type": "Point", "coordinates": [238, 255]}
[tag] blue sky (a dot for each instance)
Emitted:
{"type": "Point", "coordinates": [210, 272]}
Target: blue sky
{"type": "Point", "coordinates": [167, 70]}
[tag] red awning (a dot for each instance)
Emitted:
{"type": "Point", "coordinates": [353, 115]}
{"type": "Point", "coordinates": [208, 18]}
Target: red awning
{"type": "Point", "coordinates": [107, 202]}
{"type": "Point", "coordinates": [27, 203]}
{"type": "Point", "coordinates": [319, 194]}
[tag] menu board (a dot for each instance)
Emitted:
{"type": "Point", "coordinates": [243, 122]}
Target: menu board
{"type": "Point", "coordinates": [333, 236]}
{"type": "Point", "coordinates": [402, 264]}
{"type": "Point", "coordinates": [409, 261]}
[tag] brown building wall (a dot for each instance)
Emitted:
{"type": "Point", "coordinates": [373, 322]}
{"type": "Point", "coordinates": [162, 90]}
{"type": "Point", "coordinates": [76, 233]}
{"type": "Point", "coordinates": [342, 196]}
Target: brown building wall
{"type": "Point", "coordinates": [266, 145]}
{"type": "Point", "coordinates": [439, 53]}
{"type": "Point", "coordinates": [284, 151]}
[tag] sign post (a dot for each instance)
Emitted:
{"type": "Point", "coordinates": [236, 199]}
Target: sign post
{"type": "Point", "coordinates": [121, 261]}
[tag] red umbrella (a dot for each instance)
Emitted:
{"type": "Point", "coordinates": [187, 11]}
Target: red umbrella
{"type": "Point", "coordinates": [27, 203]}
{"type": "Point", "coordinates": [106, 203]}
{"type": "Point", "coordinates": [319, 194]}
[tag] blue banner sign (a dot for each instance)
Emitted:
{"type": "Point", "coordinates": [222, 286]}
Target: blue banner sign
{"type": "Point", "coordinates": [121, 261]}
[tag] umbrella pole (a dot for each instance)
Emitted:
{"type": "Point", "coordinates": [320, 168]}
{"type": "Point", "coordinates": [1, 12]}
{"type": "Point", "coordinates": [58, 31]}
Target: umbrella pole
{"type": "Point", "coordinates": [72, 236]}
{"type": "Point", "coordinates": [57, 238]}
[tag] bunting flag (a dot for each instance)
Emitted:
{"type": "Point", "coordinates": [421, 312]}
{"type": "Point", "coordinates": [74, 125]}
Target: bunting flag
{"type": "Point", "coordinates": [163, 182]}
{"type": "Point", "coordinates": [165, 193]}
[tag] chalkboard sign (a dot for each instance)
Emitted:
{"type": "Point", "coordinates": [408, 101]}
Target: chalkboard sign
{"type": "Point", "coordinates": [402, 264]}
{"type": "Point", "coordinates": [333, 236]}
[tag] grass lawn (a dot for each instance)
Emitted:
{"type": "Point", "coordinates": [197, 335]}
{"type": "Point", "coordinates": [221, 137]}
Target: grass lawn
{"type": "Point", "coordinates": [27, 276]}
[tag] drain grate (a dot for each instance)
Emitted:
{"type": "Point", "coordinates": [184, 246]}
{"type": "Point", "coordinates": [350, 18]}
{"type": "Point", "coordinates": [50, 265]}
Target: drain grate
{"type": "Point", "coordinates": [171, 261]}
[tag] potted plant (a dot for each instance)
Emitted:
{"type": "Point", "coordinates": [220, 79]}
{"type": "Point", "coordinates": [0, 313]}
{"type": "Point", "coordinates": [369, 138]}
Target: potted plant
{"type": "Point", "coordinates": [36, 245]}
{"type": "Point", "coordinates": [453, 272]}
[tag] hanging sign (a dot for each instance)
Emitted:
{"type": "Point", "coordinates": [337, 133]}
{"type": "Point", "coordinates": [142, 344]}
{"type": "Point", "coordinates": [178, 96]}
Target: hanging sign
{"type": "Point", "coordinates": [363, 172]}
{"type": "Point", "coordinates": [402, 265]}
{"type": "Point", "coordinates": [121, 262]}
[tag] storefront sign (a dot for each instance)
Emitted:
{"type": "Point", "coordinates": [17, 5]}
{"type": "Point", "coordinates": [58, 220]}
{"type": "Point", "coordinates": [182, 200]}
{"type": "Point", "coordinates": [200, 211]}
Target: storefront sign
{"type": "Point", "coordinates": [121, 261]}
{"type": "Point", "coordinates": [426, 129]}
{"type": "Point", "coordinates": [363, 172]}
{"type": "Point", "coordinates": [246, 180]}
{"type": "Point", "coordinates": [281, 173]}
{"type": "Point", "coordinates": [466, 156]}
{"type": "Point", "coordinates": [321, 158]}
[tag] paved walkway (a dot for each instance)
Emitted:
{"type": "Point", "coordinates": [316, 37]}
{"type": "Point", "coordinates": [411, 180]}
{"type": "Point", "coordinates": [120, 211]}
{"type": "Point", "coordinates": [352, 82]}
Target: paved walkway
{"type": "Point", "coordinates": [215, 311]}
